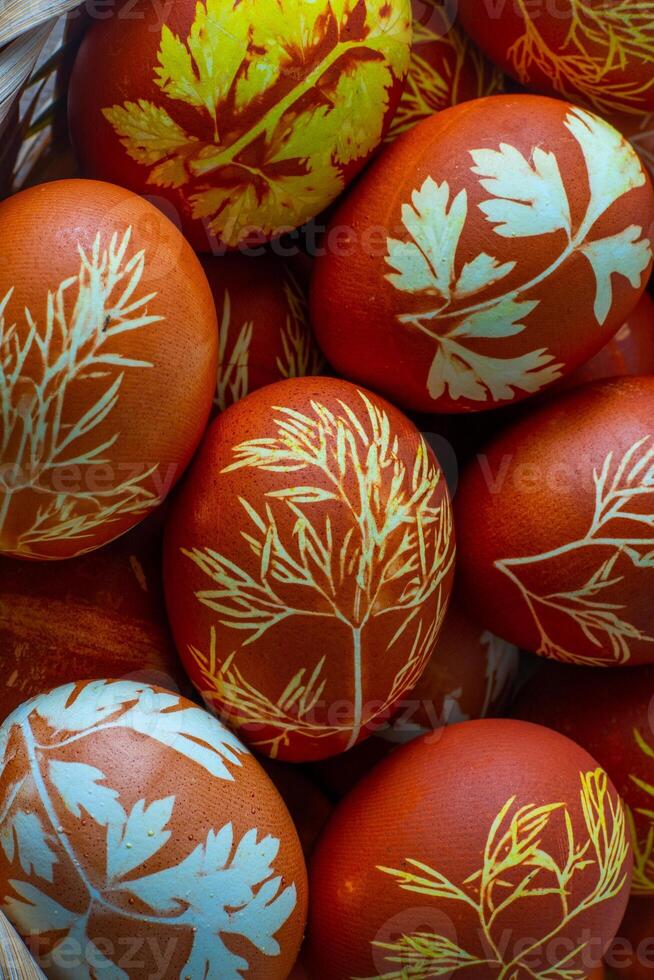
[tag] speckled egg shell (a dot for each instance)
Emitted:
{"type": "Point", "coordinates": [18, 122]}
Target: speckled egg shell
{"type": "Point", "coordinates": [587, 51]}
{"type": "Point", "coordinates": [484, 864]}
{"type": "Point", "coordinates": [245, 118]}
{"type": "Point", "coordinates": [611, 717]}
{"type": "Point", "coordinates": [308, 564]}
{"type": "Point", "coordinates": [108, 346]}
{"type": "Point", "coordinates": [446, 68]}
{"type": "Point", "coordinates": [555, 522]}
{"type": "Point", "coordinates": [632, 955]}
{"type": "Point", "coordinates": [629, 352]}
{"type": "Point", "coordinates": [139, 838]}
{"type": "Point", "coordinates": [263, 325]}
{"type": "Point", "coordinates": [489, 251]}
{"type": "Point", "coordinates": [101, 615]}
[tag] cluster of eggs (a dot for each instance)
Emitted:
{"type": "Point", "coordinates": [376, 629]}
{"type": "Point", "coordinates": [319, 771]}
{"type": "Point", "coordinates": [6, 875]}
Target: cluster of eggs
{"type": "Point", "coordinates": [332, 597]}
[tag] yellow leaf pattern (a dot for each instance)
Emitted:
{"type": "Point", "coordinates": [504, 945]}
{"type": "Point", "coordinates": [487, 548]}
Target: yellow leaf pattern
{"type": "Point", "coordinates": [273, 155]}
{"type": "Point", "coordinates": [641, 825]}
{"type": "Point", "coordinates": [518, 870]}
{"type": "Point", "coordinates": [393, 560]}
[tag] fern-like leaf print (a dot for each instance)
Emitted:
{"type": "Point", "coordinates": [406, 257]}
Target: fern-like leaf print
{"type": "Point", "coordinates": [395, 558]}
{"type": "Point", "coordinates": [620, 534]}
{"type": "Point", "coordinates": [277, 155]}
{"type": "Point", "coordinates": [641, 825]}
{"type": "Point", "coordinates": [528, 198]}
{"type": "Point", "coordinates": [225, 887]}
{"type": "Point", "coordinates": [68, 346]}
{"type": "Point", "coordinates": [518, 869]}
{"type": "Point", "coordinates": [602, 39]}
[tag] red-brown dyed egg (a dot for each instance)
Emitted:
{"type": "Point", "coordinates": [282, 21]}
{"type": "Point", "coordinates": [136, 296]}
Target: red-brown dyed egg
{"type": "Point", "coordinates": [632, 954]}
{"type": "Point", "coordinates": [639, 130]}
{"type": "Point", "coordinates": [245, 118]}
{"type": "Point", "coordinates": [500, 849]}
{"type": "Point", "coordinates": [490, 251]}
{"type": "Point", "coordinates": [308, 565]}
{"type": "Point", "coordinates": [263, 327]}
{"type": "Point", "coordinates": [630, 351]}
{"type": "Point", "coordinates": [590, 51]}
{"type": "Point", "coordinates": [101, 615]}
{"type": "Point", "coordinates": [108, 347]}
{"type": "Point", "coordinates": [612, 718]}
{"type": "Point", "coordinates": [446, 68]}
{"type": "Point", "coordinates": [139, 838]}
{"type": "Point", "coordinates": [556, 528]}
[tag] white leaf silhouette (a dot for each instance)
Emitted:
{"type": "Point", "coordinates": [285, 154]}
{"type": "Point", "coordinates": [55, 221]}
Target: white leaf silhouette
{"type": "Point", "coordinates": [222, 890]}
{"type": "Point", "coordinates": [622, 254]}
{"type": "Point", "coordinates": [78, 786]}
{"type": "Point", "coordinates": [499, 320]}
{"type": "Point", "coordinates": [427, 263]}
{"type": "Point", "coordinates": [483, 271]}
{"type": "Point", "coordinates": [466, 374]}
{"type": "Point", "coordinates": [139, 838]}
{"type": "Point", "coordinates": [94, 704]}
{"type": "Point", "coordinates": [528, 199]}
{"type": "Point", "coordinates": [26, 832]}
{"type": "Point", "coordinates": [613, 167]}
{"type": "Point", "coordinates": [37, 913]}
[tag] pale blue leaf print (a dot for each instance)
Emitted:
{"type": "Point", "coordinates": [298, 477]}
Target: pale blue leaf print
{"type": "Point", "coordinates": [80, 789]}
{"type": "Point", "coordinates": [622, 254]}
{"type": "Point", "coordinates": [192, 732]}
{"type": "Point", "coordinates": [91, 964]}
{"type": "Point", "coordinates": [502, 319]}
{"type": "Point", "coordinates": [599, 143]}
{"type": "Point", "coordinates": [481, 272]}
{"type": "Point", "coordinates": [34, 852]}
{"type": "Point", "coordinates": [213, 890]}
{"type": "Point", "coordinates": [37, 913]}
{"type": "Point", "coordinates": [139, 838]}
{"type": "Point", "coordinates": [95, 703]}
{"type": "Point", "coordinates": [529, 198]}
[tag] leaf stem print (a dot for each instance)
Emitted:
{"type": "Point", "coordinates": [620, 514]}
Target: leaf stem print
{"type": "Point", "coordinates": [233, 370]}
{"type": "Point", "coordinates": [602, 38]}
{"type": "Point", "coordinates": [617, 489]}
{"type": "Point", "coordinates": [642, 839]}
{"type": "Point", "coordinates": [238, 876]}
{"type": "Point", "coordinates": [394, 558]}
{"type": "Point", "coordinates": [72, 346]}
{"type": "Point", "coordinates": [282, 164]}
{"type": "Point", "coordinates": [528, 198]}
{"type": "Point", "coordinates": [516, 868]}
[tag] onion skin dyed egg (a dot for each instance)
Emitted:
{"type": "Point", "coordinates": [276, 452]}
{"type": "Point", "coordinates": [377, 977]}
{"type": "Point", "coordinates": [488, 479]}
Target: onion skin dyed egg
{"type": "Point", "coordinates": [246, 118]}
{"type": "Point", "coordinates": [632, 955]}
{"type": "Point", "coordinates": [108, 341]}
{"type": "Point", "coordinates": [101, 615]}
{"type": "Point", "coordinates": [572, 700]}
{"type": "Point", "coordinates": [629, 352]}
{"type": "Point", "coordinates": [263, 325]}
{"type": "Point", "coordinates": [508, 852]}
{"type": "Point", "coordinates": [138, 835]}
{"type": "Point", "coordinates": [555, 526]}
{"type": "Point", "coordinates": [485, 255]}
{"type": "Point", "coordinates": [446, 68]}
{"type": "Point", "coordinates": [302, 606]}
{"type": "Point", "coordinates": [590, 51]}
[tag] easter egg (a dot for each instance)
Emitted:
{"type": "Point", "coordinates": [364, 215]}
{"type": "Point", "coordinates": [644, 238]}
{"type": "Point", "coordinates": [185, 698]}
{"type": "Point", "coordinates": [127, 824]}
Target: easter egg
{"type": "Point", "coordinates": [446, 68]}
{"type": "Point", "coordinates": [612, 718]}
{"type": "Point", "coordinates": [630, 351]}
{"type": "Point", "coordinates": [108, 345]}
{"type": "Point", "coordinates": [245, 118]}
{"type": "Point", "coordinates": [485, 255]}
{"type": "Point", "coordinates": [308, 564]}
{"type": "Point", "coordinates": [101, 615]}
{"type": "Point", "coordinates": [555, 524]}
{"type": "Point", "coordinates": [632, 954]}
{"type": "Point", "coordinates": [639, 130]}
{"type": "Point", "coordinates": [263, 327]}
{"type": "Point", "coordinates": [590, 51]}
{"type": "Point", "coordinates": [508, 857]}
{"type": "Point", "coordinates": [139, 838]}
